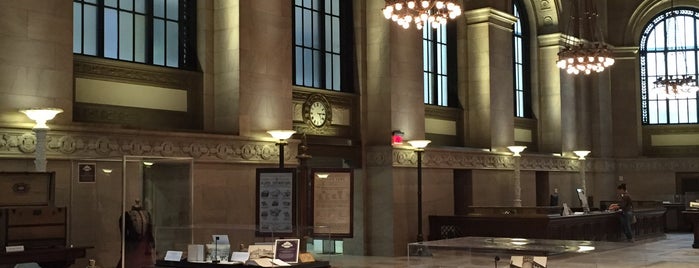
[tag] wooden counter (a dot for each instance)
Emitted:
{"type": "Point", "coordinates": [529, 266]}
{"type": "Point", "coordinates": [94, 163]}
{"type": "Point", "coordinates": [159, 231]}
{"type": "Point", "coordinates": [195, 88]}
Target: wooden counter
{"type": "Point", "coordinates": [47, 258]}
{"type": "Point", "coordinates": [600, 226]}
{"type": "Point", "coordinates": [693, 217]}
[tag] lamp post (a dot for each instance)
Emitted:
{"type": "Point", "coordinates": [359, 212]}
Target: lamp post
{"type": "Point", "coordinates": [518, 188]}
{"type": "Point", "coordinates": [282, 136]}
{"type": "Point", "coordinates": [419, 147]}
{"type": "Point", "coordinates": [581, 156]}
{"type": "Point", "coordinates": [41, 116]}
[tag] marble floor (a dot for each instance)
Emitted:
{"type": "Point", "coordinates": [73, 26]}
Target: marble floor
{"type": "Point", "coordinates": [672, 251]}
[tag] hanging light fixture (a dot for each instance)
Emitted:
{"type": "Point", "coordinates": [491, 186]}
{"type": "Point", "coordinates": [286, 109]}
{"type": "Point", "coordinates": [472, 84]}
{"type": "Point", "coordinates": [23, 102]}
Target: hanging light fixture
{"type": "Point", "coordinates": [580, 56]}
{"type": "Point", "coordinates": [679, 83]}
{"type": "Point", "coordinates": [420, 12]}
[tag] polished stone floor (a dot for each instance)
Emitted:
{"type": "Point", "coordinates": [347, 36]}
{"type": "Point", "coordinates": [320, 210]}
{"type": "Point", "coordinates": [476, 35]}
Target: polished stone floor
{"type": "Point", "coordinates": [672, 251]}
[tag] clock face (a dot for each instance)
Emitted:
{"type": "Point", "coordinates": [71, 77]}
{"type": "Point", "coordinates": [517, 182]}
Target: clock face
{"type": "Point", "coordinates": [317, 113]}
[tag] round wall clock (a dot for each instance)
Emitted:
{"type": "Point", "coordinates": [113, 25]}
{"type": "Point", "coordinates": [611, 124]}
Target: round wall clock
{"type": "Point", "coordinates": [317, 111]}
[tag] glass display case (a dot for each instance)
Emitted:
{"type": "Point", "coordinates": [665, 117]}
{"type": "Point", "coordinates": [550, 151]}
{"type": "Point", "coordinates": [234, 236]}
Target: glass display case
{"type": "Point", "coordinates": [518, 252]}
{"type": "Point", "coordinates": [117, 204]}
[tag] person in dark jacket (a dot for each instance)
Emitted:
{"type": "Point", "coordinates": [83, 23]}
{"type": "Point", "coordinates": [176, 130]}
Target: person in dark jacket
{"type": "Point", "coordinates": [625, 206]}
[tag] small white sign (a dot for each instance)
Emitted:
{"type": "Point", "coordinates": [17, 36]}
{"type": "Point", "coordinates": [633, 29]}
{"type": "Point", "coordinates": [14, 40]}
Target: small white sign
{"type": "Point", "coordinates": [220, 239]}
{"type": "Point", "coordinates": [172, 255]}
{"type": "Point", "coordinates": [238, 256]}
{"type": "Point", "coordinates": [279, 262]}
{"type": "Point", "coordinates": [14, 248]}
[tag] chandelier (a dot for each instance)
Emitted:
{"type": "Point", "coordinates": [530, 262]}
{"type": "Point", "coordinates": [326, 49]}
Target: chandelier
{"type": "Point", "coordinates": [421, 12]}
{"type": "Point", "coordinates": [676, 84]}
{"type": "Point", "coordinates": [579, 56]}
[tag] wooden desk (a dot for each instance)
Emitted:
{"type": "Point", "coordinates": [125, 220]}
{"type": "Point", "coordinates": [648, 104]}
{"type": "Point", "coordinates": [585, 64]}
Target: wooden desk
{"type": "Point", "coordinates": [601, 226]}
{"type": "Point", "coordinates": [186, 264]}
{"type": "Point", "coordinates": [693, 217]}
{"type": "Point", "coordinates": [46, 258]}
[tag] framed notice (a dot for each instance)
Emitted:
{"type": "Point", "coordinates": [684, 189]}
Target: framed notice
{"type": "Point", "coordinates": [332, 191]}
{"type": "Point", "coordinates": [275, 201]}
{"type": "Point", "coordinates": [26, 189]}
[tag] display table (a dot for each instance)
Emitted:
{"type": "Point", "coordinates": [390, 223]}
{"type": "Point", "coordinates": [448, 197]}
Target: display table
{"type": "Point", "coordinates": [186, 264]}
{"type": "Point", "coordinates": [46, 258]}
{"type": "Point", "coordinates": [693, 217]}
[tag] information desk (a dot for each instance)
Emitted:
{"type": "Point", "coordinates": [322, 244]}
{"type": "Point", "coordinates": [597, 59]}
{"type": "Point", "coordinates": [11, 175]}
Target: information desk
{"type": "Point", "coordinates": [186, 264]}
{"type": "Point", "coordinates": [600, 226]}
{"type": "Point", "coordinates": [46, 258]}
{"type": "Point", "coordinates": [693, 217]}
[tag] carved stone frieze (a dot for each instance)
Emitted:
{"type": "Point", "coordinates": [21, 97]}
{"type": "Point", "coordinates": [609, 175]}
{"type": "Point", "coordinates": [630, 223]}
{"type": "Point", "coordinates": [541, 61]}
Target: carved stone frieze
{"type": "Point", "coordinates": [479, 160]}
{"type": "Point", "coordinates": [120, 71]}
{"type": "Point", "coordinates": [658, 164]}
{"type": "Point", "coordinates": [201, 147]}
{"type": "Point", "coordinates": [468, 159]}
{"type": "Point", "coordinates": [444, 113]}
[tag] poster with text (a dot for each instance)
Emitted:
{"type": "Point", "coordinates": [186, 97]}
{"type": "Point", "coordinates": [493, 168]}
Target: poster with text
{"type": "Point", "coordinates": [332, 202]}
{"type": "Point", "coordinates": [275, 202]}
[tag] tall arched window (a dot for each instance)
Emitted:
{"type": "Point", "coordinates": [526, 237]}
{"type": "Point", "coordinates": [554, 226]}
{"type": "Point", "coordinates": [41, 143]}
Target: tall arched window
{"type": "Point", "coordinates": [520, 37]}
{"type": "Point", "coordinates": [669, 52]}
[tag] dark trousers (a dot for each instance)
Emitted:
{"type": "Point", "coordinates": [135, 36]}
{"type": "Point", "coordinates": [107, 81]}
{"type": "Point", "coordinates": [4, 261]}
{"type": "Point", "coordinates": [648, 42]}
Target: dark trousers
{"type": "Point", "coordinates": [626, 218]}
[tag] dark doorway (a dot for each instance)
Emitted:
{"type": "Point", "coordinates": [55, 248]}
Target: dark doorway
{"type": "Point", "coordinates": [543, 197]}
{"type": "Point", "coordinates": [463, 191]}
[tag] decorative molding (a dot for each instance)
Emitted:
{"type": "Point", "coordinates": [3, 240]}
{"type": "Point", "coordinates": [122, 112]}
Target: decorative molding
{"type": "Point", "coordinates": [347, 100]}
{"type": "Point", "coordinates": [201, 147]}
{"type": "Point", "coordinates": [441, 112]}
{"type": "Point", "coordinates": [379, 156]}
{"type": "Point", "coordinates": [551, 40]}
{"type": "Point", "coordinates": [121, 71]}
{"type": "Point", "coordinates": [497, 18]}
{"type": "Point", "coordinates": [625, 53]}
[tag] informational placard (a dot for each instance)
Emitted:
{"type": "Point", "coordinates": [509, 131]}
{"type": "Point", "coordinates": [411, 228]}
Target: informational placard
{"type": "Point", "coordinates": [332, 202]}
{"type": "Point", "coordinates": [287, 250]}
{"type": "Point", "coordinates": [275, 201]}
{"type": "Point", "coordinates": [86, 172]}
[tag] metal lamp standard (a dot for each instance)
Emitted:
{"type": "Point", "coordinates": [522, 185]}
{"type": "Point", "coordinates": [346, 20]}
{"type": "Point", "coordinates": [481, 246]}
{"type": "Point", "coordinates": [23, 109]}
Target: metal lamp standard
{"type": "Point", "coordinates": [282, 136]}
{"type": "Point", "coordinates": [419, 147]}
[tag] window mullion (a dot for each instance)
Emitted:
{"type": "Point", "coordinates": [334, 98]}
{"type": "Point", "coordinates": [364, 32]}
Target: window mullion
{"type": "Point", "coordinates": [435, 74]}
{"type": "Point", "coordinates": [100, 33]}
{"type": "Point", "coordinates": [149, 17]}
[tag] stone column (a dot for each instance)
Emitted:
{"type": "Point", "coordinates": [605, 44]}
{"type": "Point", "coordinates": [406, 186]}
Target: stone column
{"type": "Point", "coordinates": [490, 102]}
{"type": "Point", "coordinates": [569, 107]}
{"type": "Point", "coordinates": [550, 77]}
{"type": "Point", "coordinates": [37, 59]}
{"type": "Point", "coordinates": [626, 103]}
{"type": "Point", "coordinates": [252, 66]}
{"type": "Point", "coordinates": [393, 100]}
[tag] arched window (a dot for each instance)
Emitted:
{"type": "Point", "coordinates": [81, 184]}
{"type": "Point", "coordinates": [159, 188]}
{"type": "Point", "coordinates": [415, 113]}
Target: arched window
{"type": "Point", "coordinates": [520, 48]}
{"type": "Point", "coordinates": [438, 71]}
{"type": "Point", "coordinates": [157, 32]}
{"type": "Point", "coordinates": [668, 53]}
